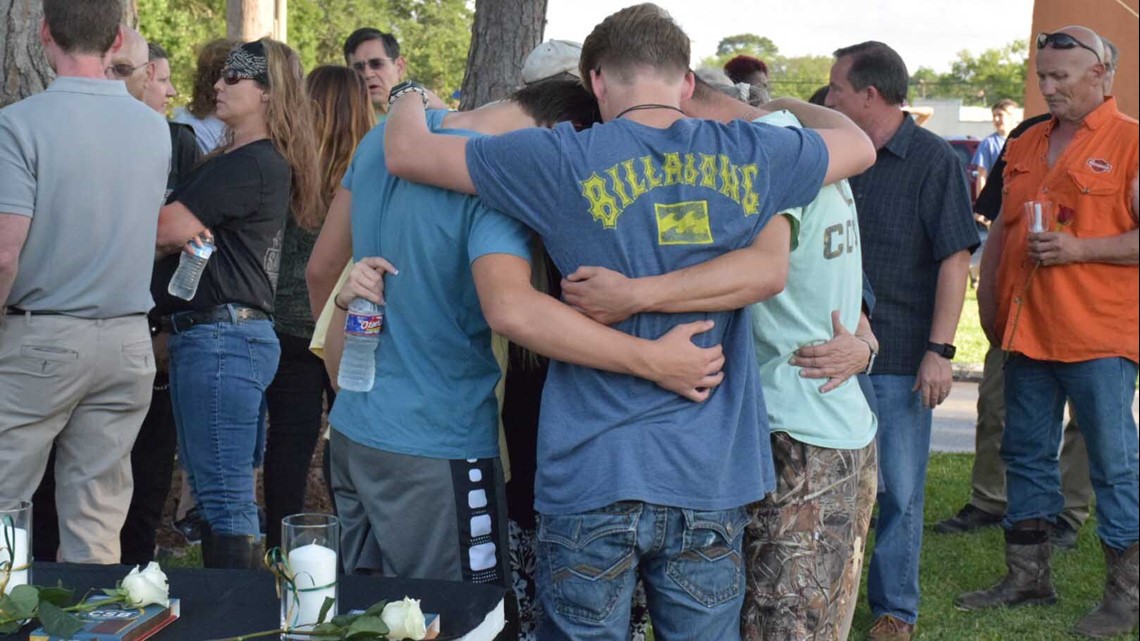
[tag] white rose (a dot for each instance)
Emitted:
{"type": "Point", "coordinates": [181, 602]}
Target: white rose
{"type": "Point", "coordinates": [404, 620]}
{"type": "Point", "coordinates": [147, 587]}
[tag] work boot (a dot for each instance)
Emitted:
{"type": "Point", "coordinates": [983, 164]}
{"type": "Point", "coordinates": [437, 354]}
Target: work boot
{"type": "Point", "coordinates": [229, 551]}
{"type": "Point", "coordinates": [1028, 582]}
{"type": "Point", "coordinates": [889, 628]}
{"type": "Point", "coordinates": [1064, 536]}
{"type": "Point", "coordinates": [1117, 613]}
{"type": "Point", "coordinates": [968, 519]}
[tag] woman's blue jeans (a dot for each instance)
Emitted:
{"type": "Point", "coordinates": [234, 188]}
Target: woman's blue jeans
{"type": "Point", "coordinates": [218, 376]}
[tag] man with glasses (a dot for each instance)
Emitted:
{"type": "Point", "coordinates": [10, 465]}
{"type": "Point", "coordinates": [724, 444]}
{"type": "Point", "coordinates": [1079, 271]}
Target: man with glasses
{"type": "Point", "coordinates": [1063, 301]}
{"type": "Point", "coordinates": [130, 62]}
{"type": "Point", "coordinates": [376, 56]}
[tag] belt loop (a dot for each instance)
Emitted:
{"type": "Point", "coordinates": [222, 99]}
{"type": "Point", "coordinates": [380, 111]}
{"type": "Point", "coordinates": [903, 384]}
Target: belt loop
{"type": "Point", "coordinates": [233, 313]}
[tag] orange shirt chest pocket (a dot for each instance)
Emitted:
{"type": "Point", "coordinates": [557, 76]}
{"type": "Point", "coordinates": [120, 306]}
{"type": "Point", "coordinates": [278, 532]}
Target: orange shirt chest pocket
{"type": "Point", "coordinates": [1090, 204]}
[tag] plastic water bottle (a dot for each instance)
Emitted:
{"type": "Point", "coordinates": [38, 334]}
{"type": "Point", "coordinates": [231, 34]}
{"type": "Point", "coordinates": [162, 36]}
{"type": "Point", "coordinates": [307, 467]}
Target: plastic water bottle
{"type": "Point", "coordinates": [184, 282]}
{"type": "Point", "coordinates": [361, 335]}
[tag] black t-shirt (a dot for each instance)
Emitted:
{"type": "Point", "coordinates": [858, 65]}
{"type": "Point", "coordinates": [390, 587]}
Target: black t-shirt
{"type": "Point", "coordinates": [184, 155]}
{"type": "Point", "coordinates": [989, 201]}
{"type": "Point", "coordinates": [243, 198]}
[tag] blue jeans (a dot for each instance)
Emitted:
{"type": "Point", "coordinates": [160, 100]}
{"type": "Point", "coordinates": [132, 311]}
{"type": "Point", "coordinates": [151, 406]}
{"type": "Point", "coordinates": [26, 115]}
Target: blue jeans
{"type": "Point", "coordinates": [904, 448]}
{"type": "Point", "coordinates": [218, 376]}
{"type": "Point", "coordinates": [689, 560]}
{"type": "Point", "coordinates": [1101, 391]}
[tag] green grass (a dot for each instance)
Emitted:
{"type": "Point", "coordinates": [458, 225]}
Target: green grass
{"type": "Point", "coordinates": [952, 564]}
{"type": "Point", "coordinates": [970, 340]}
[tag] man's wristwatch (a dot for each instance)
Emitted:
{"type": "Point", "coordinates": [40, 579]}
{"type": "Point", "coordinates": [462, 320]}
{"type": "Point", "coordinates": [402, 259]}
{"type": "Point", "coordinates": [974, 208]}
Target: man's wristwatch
{"type": "Point", "coordinates": [874, 354]}
{"type": "Point", "coordinates": [945, 350]}
{"type": "Point", "coordinates": [404, 88]}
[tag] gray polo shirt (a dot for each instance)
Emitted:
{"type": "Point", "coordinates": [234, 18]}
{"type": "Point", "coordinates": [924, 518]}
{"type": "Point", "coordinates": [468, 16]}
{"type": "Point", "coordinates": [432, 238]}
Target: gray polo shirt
{"type": "Point", "coordinates": [88, 164]}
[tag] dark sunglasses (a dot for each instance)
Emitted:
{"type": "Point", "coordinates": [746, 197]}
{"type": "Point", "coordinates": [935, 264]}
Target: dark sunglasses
{"type": "Point", "coordinates": [1063, 41]}
{"type": "Point", "coordinates": [375, 64]}
{"type": "Point", "coordinates": [233, 77]}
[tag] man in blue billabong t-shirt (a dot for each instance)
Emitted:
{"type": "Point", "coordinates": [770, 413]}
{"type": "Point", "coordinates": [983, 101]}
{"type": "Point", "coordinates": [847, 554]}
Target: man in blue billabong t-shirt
{"type": "Point", "coordinates": [628, 473]}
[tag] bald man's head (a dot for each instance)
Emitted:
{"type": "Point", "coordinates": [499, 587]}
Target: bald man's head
{"type": "Point", "coordinates": [1071, 71]}
{"type": "Point", "coordinates": [129, 62]}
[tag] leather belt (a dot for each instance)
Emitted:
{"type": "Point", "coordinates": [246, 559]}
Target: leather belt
{"type": "Point", "coordinates": [183, 321]}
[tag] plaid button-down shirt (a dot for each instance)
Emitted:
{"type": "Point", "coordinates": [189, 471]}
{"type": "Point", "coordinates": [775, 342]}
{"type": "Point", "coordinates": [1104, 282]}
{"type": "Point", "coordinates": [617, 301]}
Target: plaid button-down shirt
{"type": "Point", "coordinates": [914, 211]}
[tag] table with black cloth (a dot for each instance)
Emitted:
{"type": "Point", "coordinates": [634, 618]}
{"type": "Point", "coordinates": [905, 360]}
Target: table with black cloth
{"type": "Point", "coordinates": [223, 603]}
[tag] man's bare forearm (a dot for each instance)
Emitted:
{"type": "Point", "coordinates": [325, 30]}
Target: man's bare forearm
{"type": "Point", "coordinates": [987, 278]}
{"type": "Point", "coordinates": [730, 281]}
{"type": "Point", "coordinates": [949, 297]}
{"type": "Point", "coordinates": [1123, 249]}
{"type": "Point", "coordinates": [8, 273]}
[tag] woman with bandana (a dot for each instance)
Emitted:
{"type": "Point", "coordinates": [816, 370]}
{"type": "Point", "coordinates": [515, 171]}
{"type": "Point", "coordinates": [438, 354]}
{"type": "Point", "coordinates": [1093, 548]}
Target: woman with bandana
{"type": "Point", "coordinates": [223, 349]}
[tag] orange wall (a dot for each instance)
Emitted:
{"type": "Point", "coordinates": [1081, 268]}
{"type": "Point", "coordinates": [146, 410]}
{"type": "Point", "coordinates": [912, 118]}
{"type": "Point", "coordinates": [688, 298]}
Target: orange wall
{"type": "Point", "coordinates": [1110, 18]}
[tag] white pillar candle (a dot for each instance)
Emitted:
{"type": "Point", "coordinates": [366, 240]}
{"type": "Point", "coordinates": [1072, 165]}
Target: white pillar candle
{"type": "Point", "coordinates": [312, 565]}
{"type": "Point", "coordinates": [21, 558]}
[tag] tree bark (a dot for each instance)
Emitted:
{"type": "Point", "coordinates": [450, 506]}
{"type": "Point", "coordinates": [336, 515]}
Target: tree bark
{"type": "Point", "coordinates": [249, 20]}
{"type": "Point", "coordinates": [504, 32]}
{"type": "Point", "coordinates": [24, 66]}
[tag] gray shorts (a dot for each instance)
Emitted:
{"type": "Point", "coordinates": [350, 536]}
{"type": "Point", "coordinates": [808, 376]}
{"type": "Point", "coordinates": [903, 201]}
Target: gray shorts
{"type": "Point", "coordinates": [418, 517]}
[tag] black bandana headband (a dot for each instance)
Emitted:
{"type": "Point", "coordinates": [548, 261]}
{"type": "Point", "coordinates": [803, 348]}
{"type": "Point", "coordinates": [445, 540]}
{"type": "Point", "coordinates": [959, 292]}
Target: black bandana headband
{"type": "Point", "coordinates": [248, 61]}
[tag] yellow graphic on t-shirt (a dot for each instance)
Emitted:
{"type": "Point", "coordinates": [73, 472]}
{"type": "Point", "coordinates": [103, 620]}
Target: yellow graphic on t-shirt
{"type": "Point", "coordinates": [610, 191]}
{"type": "Point", "coordinates": [683, 224]}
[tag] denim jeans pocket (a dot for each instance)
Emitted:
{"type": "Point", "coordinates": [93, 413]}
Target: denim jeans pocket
{"type": "Point", "coordinates": [587, 558]}
{"type": "Point", "coordinates": [708, 565]}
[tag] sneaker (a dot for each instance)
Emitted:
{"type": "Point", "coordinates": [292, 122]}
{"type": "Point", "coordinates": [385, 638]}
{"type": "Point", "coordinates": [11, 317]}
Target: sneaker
{"type": "Point", "coordinates": [888, 628]}
{"type": "Point", "coordinates": [968, 519]}
{"type": "Point", "coordinates": [190, 526]}
{"type": "Point", "coordinates": [1063, 536]}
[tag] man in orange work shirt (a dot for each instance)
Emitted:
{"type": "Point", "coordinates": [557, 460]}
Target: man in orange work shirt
{"type": "Point", "coordinates": [1065, 304]}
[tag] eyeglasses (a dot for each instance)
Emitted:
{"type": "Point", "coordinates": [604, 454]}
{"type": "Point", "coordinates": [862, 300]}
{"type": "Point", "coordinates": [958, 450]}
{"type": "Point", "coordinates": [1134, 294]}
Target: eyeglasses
{"type": "Point", "coordinates": [1063, 41]}
{"type": "Point", "coordinates": [375, 64]}
{"type": "Point", "coordinates": [125, 70]}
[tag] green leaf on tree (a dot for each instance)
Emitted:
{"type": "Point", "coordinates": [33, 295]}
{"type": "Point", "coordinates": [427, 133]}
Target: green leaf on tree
{"type": "Point", "coordinates": [58, 623]}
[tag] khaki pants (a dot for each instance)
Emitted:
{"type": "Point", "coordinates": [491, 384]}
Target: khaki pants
{"type": "Point", "coordinates": [84, 385]}
{"type": "Point", "coordinates": [988, 478]}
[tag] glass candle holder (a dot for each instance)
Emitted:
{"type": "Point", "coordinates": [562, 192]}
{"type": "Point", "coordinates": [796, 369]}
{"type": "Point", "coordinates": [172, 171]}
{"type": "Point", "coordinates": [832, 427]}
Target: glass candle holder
{"type": "Point", "coordinates": [309, 544]}
{"type": "Point", "coordinates": [15, 540]}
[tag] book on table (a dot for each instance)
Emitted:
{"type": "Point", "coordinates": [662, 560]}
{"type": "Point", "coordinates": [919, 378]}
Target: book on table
{"type": "Point", "coordinates": [117, 622]}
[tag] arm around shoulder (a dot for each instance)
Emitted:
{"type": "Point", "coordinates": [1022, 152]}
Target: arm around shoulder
{"type": "Point", "coordinates": [413, 152]}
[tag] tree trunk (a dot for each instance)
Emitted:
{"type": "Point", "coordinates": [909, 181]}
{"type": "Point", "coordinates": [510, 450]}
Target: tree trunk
{"type": "Point", "coordinates": [249, 20]}
{"type": "Point", "coordinates": [24, 66]}
{"type": "Point", "coordinates": [505, 31]}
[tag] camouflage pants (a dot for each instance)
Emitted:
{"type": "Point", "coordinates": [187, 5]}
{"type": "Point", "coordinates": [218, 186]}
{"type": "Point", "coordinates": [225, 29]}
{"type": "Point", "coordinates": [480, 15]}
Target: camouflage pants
{"type": "Point", "coordinates": [804, 544]}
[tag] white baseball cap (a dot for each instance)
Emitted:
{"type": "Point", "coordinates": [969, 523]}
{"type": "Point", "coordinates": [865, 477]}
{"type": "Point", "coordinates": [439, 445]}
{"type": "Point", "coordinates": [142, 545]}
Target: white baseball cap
{"type": "Point", "coordinates": [550, 59]}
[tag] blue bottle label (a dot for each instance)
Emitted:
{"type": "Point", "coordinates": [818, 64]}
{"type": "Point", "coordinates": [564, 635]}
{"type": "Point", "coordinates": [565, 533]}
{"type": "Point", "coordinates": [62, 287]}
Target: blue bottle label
{"type": "Point", "coordinates": [366, 325]}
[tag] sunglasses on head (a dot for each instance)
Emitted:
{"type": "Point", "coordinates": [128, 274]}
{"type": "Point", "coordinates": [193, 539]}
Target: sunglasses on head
{"type": "Point", "coordinates": [1063, 41]}
{"type": "Point", "coordinates": [375, 64]}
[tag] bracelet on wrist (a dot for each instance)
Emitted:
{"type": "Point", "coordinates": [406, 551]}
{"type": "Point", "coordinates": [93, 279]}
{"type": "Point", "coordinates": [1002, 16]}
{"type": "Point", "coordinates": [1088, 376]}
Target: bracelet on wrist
{"type": "Point", "coordinates": [336, 303]}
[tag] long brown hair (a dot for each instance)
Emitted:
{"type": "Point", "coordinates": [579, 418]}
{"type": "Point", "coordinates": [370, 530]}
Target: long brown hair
{"type": "Point", "coordinates": [342, 115]}
{"type": "Point", "coordinates": [288, 117]}
{"type": "Point", "coordinates": [210, 62]}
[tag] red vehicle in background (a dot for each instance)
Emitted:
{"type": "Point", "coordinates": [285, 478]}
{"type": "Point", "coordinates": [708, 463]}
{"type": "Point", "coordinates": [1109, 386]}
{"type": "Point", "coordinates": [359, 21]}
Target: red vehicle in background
{"type": "Point", "coordinates": [965, 148]}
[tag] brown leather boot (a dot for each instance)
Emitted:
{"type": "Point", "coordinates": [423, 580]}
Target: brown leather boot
{"type": "Point", "coordinates": [1117, 613]}
{"type": "Point", "coordinates": [1027, 551]}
